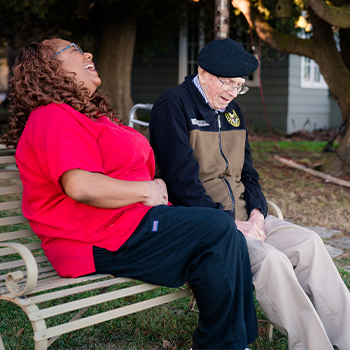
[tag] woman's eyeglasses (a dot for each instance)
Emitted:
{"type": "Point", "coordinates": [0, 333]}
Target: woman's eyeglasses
{"type": "Point", "coordinates": [70, 45]}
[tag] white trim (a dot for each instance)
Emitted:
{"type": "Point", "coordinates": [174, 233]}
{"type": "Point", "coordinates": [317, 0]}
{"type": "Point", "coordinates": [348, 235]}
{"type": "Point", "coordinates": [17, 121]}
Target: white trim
{"type": "Point", "coordinates": [310, 75]}
{"type": "Point", "coordinates": [254, 79]}
{"type": "Point", "coordinates": [182, 54]}
{"type": "Point", "coordinates": [190, 43]}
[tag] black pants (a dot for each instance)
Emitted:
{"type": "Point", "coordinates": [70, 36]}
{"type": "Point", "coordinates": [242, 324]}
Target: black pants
{"type": "Point", "coordinates": [173, 245]}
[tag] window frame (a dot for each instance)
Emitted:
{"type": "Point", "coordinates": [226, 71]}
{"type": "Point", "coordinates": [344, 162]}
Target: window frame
{"type": "Point", "coordinates": [314, 71]}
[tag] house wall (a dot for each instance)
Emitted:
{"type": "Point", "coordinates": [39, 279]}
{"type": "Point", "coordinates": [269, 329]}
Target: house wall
{"type": "Point", "coordinates": [289, 107]}
{"type": "Point", "coordinates": [274, 82]}
{"type": "Point", "coordinates": [150, 78]}
{"type": "Point", "coordinates": [308, 108]}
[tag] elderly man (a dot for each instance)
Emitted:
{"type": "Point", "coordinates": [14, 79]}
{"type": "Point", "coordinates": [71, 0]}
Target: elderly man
{"type": "Point", "coordinates": [201, 145]}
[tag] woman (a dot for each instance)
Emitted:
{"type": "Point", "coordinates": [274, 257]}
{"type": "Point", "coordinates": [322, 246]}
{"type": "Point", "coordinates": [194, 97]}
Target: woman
{"type": "Point", "coordinates": [91, 197]}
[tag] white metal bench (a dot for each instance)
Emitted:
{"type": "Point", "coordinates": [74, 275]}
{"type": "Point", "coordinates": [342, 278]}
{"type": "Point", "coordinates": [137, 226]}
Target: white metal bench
{"type": "Point", "coordinates": [28, 279]}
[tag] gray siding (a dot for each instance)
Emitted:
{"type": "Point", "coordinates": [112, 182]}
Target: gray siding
{"type": "Point", "coordinates": [289, 107]}
{"type": "Point", "coordinates": [150, 78]}
{"type": "Point", "coordinates": [308, 108]}
{"type": "Point", "coordinates": [274, 81]}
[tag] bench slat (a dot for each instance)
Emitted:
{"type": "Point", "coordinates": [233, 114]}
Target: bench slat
{"type": "Point", "coordinates": [79, 289]}
{"type": "Point", "coordinates": [11, 205]}
{"type": "Point", "coordinates": [7, 159]}
{"type": "Point", "coordinates": [52, 281]}
{"type": "Point", "coordinates": [45, 269]}
{"type": "Point", "coordinates": [109, 315]}
{"type": "Point", "coordinates": [10, 236]}
{"type": "Point", "coordinates": [43, 278]}
{"type": "Point", "coordinates": [11, 220]}
{"type": "Point", "coordinates": [30, 246]}
{"type": "Point", "coordinates": [9, 174]}
{"type": "Point", "coordinates": [92, 300]}
{"type": "Point", "coordinates": [41, 272]}
{"type": "Point", "coordinates": [11, 190]}
{"type": "Point", "coordinates": [18, 263]}
{"type": "Point", "coordinates": [57, 282]}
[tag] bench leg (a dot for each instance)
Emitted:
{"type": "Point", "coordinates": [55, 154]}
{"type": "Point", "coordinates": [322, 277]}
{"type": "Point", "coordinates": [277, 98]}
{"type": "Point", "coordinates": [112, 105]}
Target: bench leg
{"type": "Point", "coordinates": [2, 347]}
{"type": "Point", "coordinates": [191, 304]}
{"type": "Point", "coordinates": [77, 315]}
{"type": "Point", "coordinates": [41, 345]}
{"type": "Point", "coordinates": [269, 330]}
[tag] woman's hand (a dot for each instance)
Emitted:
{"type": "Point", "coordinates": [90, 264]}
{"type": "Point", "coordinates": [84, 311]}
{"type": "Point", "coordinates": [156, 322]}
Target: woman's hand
{"type": "Point", "coordinates": [103, 191]}
{"type": "Point", "coordinates": [158, 193]}
{"type": "Point", "coordinates": [254, 227]}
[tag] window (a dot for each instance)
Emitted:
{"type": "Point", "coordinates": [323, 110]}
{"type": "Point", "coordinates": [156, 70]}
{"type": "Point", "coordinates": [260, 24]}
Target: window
{"type": "Point", "coordinates": [190, 42]}
{"type": "Point", "coordinates": [311, 76]}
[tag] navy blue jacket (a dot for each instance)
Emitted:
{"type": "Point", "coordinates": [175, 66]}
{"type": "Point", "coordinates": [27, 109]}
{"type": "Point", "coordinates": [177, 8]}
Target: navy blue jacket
{"type": "Point", "coordinates": [203, 156]}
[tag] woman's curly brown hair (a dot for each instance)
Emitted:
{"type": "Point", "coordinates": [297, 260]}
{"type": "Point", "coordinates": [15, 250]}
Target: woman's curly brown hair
{"type": "Point", "coordinates": [39, 79]}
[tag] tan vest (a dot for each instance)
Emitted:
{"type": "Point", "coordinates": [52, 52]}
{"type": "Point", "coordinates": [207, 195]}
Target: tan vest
{"type": "Point", "coordinates": [216, 175]}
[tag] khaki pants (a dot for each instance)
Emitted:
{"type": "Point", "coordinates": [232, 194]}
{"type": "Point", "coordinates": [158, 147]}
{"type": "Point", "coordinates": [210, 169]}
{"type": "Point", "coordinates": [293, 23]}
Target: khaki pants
{"type": "Point", "coordinates": [299, 288]}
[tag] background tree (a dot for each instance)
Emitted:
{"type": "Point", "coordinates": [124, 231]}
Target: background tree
{"type": "Point", "coordinates": [328, 46]}
{"type": "Point", "coordinates": [151, 23]}
{"type": "Point", "coordinates": [107, 28]}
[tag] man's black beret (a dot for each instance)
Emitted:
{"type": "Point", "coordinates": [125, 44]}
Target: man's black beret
{"type": "Point", "coordinates": [227, 58]}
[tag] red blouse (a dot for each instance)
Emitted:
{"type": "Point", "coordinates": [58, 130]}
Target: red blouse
{"type": "Point", "coordinates": [57, 138]}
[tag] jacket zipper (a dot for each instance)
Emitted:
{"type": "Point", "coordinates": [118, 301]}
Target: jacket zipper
{"type": "Point", "coordinates": [226, 162]}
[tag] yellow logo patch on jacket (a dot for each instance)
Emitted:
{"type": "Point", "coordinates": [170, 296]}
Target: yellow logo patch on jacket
{"type": "Point", "coordinates": [233, 119]}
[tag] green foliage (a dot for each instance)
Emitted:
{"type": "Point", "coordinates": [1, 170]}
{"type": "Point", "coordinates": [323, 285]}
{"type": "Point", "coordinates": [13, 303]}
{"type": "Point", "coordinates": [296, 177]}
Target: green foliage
{"type": "Point", "coordinates": [83, 21]}
{"type": "Point", "coordinates": [315, 146]}
{"type": "Point", "coordinates": [37, 7]}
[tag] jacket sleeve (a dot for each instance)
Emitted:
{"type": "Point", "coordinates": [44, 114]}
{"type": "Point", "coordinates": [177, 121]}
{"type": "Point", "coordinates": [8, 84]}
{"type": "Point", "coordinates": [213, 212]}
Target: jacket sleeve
{"type": "Point", "coordinates": [250, 178]}
{"type": "Point", "coordinates": [169, 137]}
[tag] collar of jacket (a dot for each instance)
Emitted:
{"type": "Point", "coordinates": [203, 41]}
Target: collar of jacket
{"type": "Point", "coordinates": [204, 109]}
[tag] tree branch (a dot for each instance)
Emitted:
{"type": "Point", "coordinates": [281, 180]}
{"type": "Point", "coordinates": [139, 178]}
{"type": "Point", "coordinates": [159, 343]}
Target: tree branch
{"type": "Point", "coordinates": [326, 177]}
{"type": "Point", "coordinates": [278, 41]}
{"type": "Point", "coordinates": [338, 16]}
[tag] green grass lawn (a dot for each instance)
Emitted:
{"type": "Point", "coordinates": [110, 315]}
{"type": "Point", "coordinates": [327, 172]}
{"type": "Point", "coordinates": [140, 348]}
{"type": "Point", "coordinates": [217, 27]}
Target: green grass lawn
{"type": "Point", "coordinates": [148, 329]}
{"type": "Point", "coordinates": [315, 146]}
{"type": "Point", "coordinates": [143, 330]}
{"type": "Point", "coordinates": [263, 150]}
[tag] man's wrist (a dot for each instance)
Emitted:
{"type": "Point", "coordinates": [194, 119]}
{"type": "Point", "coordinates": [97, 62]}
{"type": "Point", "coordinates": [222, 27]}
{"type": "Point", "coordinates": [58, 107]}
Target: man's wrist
{"type": "Point", "coordinates": [256, 213]}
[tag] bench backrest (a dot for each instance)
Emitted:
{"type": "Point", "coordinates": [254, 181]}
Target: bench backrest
{"type": "Point", "coordinates": [14, 226]}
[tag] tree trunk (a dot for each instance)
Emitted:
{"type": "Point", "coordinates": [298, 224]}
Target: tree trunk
{"type": "Point", "coordinates": [338, 163]}
{"type": "Point", "coordinates": [336, 73]}
{"type": "Point", "coordinates": [222, 19]}
{"type": "Point", "coordinates": [115, 62]}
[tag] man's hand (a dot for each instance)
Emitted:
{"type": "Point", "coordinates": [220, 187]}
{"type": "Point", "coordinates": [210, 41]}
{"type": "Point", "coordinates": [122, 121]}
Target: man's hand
{"type": "Point", "coordinates": [254, 227]}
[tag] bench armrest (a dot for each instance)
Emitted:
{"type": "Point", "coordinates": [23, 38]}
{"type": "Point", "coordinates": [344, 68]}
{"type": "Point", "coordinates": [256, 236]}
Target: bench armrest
{"type": "Point", "coordinates": [12, 278]}
{"type": "Point", "coordinates": [276, 209]}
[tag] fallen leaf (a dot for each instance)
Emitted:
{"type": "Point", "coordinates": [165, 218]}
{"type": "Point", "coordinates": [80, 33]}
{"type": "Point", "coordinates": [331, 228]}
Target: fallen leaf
{"type": "Point", "coordinates": [167, 345]}
{"type": "Point", "coordinates": [20, 332]}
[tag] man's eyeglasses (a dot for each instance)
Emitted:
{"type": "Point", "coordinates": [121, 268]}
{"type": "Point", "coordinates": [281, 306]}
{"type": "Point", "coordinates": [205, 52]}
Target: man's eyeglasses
{"type": "Point", "coordinates": [241, 90]}
{"type": "Point", "coordinates": [70, 45]}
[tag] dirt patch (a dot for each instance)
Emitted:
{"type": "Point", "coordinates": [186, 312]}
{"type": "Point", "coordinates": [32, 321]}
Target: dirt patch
{"type": "Point", "coordinates": [304, 199]}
